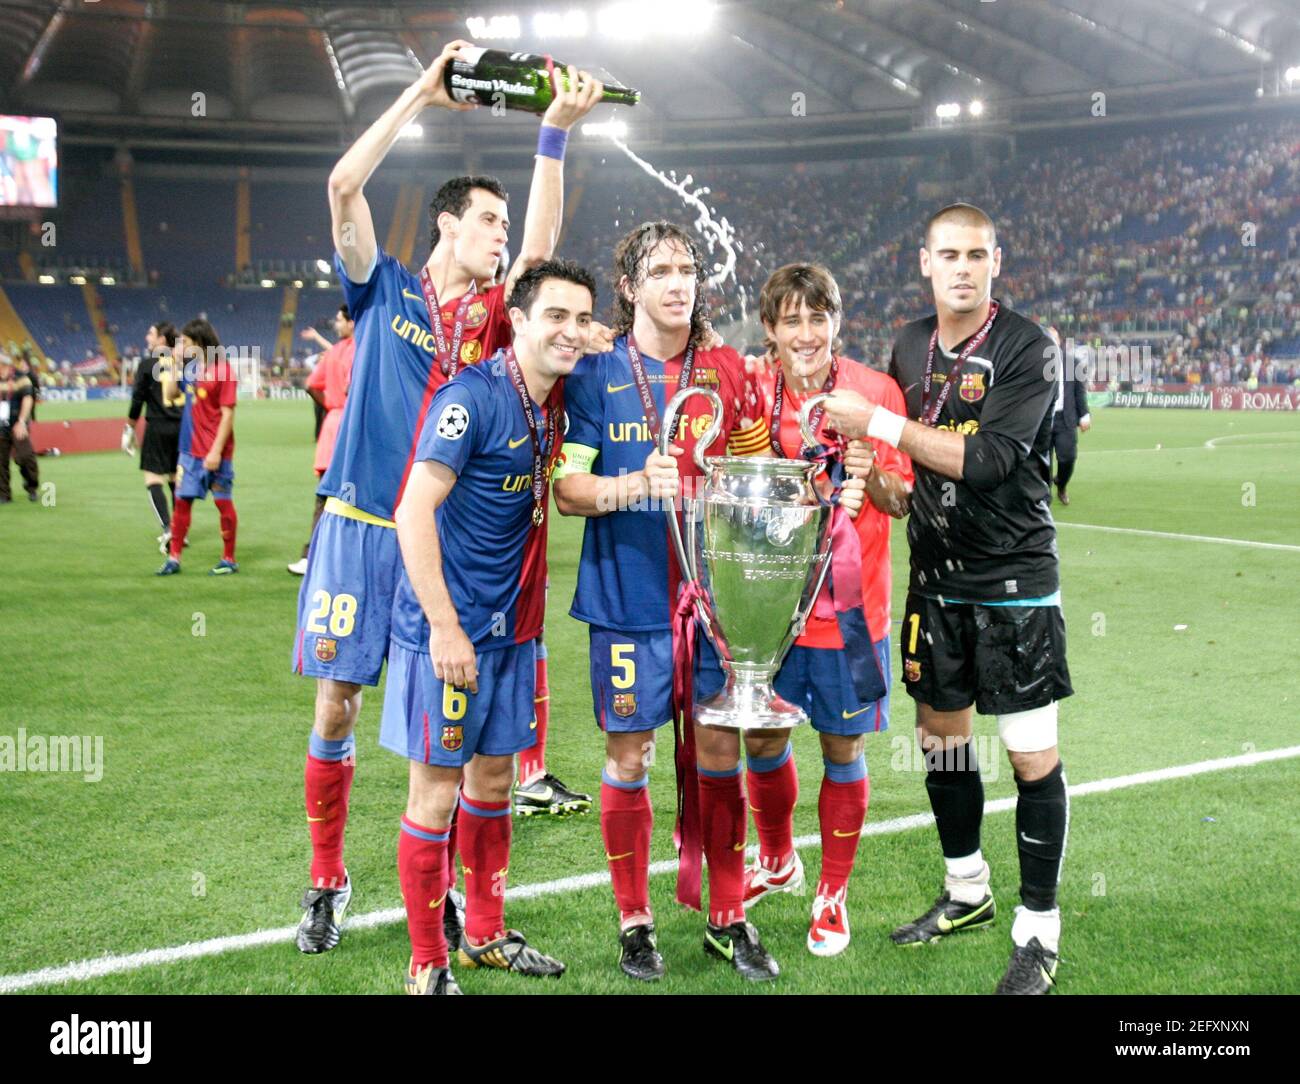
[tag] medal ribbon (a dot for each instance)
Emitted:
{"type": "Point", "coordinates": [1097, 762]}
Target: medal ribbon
{"type": "Point", "coordinates": [540, 467]}
{"type": "Point", "coordinates": [643, 383]}
{"type": "Point", "coordinates": [446, 354]}
{"type": "Point", "coordinates": [778, 402]}
{"type": "Point", "coordinates": [930, 411]}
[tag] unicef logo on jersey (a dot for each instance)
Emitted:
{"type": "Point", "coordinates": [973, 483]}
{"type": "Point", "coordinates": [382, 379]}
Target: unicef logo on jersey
{"type": "Point", "coordinates": [454, 422]}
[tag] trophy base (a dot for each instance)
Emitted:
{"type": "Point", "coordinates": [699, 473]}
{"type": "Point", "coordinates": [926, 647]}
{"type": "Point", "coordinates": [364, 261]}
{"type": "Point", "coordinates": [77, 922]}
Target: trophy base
{"type": "Point", "coordinates": [748, 705]}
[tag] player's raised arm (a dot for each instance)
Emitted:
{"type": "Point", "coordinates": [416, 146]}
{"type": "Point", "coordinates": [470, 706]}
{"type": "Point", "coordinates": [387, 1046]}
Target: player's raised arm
{"type": "Point", "coordinates": [351, 225]}
{"type": "Point", "coordinates": [450, 650]}
{"type": "Point", "coordinates": [545, 213]}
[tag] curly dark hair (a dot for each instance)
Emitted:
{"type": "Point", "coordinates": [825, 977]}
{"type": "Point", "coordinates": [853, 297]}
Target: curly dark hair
{"type": "Point", "coordinates": [630, 256]}
{"type": "Point", "coordinates": [524, 291]}
{"type": "Point", "coordinates": [454, 197]}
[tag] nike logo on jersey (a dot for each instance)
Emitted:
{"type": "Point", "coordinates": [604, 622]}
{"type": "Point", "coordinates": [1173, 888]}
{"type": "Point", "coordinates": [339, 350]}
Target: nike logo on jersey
{"type": "Point", "coordinates": [851, 714]}
{"type": "Point", "coordinates": [435, 904]}
{"type": "Point", "coordinates": [616, 857]}
{"type": "Point", "coordinates": [516, 443]}
{"type": "Point", "coordinates": [738, 846]}
{"type": "Point", "coordinates": [413, 297]}
{"type": "Point", "coordinates": [316, 820]}
{"type": "Point", "coordinates": [1030, 839]}
{"type": "Point", "coordinates": [844, 835]}
{"type": "Point", "coordinates": [612, 389]}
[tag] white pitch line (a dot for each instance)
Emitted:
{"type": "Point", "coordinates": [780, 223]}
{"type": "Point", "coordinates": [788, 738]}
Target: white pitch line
{"type": "Point", "coordinates": [216, 946]}
{"type": "Point", "coordinates": [1182, 537]}
{"type": "Point", "coordinates": [1214, 442]}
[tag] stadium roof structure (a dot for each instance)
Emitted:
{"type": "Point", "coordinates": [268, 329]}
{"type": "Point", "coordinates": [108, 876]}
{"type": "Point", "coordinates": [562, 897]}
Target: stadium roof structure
{"type": "Point", "coordinates": [308, 75]}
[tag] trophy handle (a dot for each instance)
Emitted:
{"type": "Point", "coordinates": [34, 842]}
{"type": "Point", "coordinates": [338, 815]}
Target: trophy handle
{"type": "Point", "coordinates": [666, 431]}
{"type": "Point", "coordinates": [811, 404]}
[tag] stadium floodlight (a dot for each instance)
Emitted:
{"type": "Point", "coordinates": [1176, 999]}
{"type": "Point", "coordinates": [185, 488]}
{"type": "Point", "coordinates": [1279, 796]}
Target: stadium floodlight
{"type": "Point", "coordinates": [493, 27]}
{"type": "Point", "coordinates": [411, 131]}
{"type": "Point", "coordinates": [45, 280]}
{"type": "Point", "coordinates": [683, 18]}
{"type": "Point", "coordinates": [297, 284]}
{"type": "Point", "coordinates": [614, 129]}
{"type": "Point", "coordinates": [947, 110]}
{"type": "Point", "coordinates": [555, 24]}
{"type": "Point", "coordinates": [323, 283]}
{"type": "Point", "coordinates": [976, 108]}
{"type": "Point", "coordinates": [268, 283]}
{"type": "Point", "coordinates": [77, 280]}
{"type": "Point", "coordinates": [323, 267]}
{"type": "Point", "coordinates": [1292, 75]}
{"type": "Point", "coordinates": [107, 280]}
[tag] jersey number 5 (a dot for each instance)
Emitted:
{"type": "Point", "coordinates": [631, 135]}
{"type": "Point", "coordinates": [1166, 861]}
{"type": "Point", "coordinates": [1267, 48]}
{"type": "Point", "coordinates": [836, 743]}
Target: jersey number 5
{"type": "Point", "coordinates": [623, 665]}
{"type": "Point", "coordinates": [341, 609]}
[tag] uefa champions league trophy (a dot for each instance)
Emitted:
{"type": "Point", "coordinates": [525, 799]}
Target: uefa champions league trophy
{"type": "Point", "coordinates": [758, 546]}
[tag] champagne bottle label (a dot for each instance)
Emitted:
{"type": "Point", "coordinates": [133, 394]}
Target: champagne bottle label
{"type": "Point", "coordinates": [517, 80]}
{"type": "Point", "coordinates": [469, 79]}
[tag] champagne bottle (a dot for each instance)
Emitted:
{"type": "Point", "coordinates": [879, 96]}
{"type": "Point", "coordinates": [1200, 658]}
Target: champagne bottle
{"type": "Point", "coordinates": [520, 80]}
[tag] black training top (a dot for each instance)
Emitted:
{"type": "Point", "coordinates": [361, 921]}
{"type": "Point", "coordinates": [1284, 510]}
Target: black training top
{"type": "Point", "coordinates": [988, 537]}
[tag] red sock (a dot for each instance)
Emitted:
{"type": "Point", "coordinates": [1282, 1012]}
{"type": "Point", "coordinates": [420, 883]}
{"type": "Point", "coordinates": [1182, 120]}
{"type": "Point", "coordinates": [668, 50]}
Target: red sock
{"type": "Point", "coordinates": [722, 813]}
{"type": "Point", "coordinates": [181, 514]}
{"type": "Point", "coordinates": [229, 521]}
{"type": "Point", "coordinates": [842, 808]}
{"type": "Point", "coordinates": [327, 783]}
{"type": "Point", "coordinates": [484, 840]}
{"type": "Point", "coordinates": [773, 790]}
{"type": "Point", "coordinates": [422, 873]}
{"type": "Point", "coordinates": [453, 869]}
{"type": "Point", "coordinates": [626, 819]}
{"type": "Point", "coordinates": [532, 762]}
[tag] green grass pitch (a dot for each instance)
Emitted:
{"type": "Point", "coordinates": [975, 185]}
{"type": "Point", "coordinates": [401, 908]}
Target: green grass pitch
{"type": "Point", "coordinates": [1181, 651]}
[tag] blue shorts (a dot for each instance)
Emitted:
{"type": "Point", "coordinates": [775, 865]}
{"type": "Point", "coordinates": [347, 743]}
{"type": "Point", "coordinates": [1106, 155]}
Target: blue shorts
{"type": "Point", "coordinates": [427, 720]}
{"type": "Point", "coordinates": [817, 679]}
{"type": "Point", "coordinates": [345, 604]}
{"type": "Point", "coordinates": [632, 677]}
{"type": "Point", "coordinates": [193, 481]}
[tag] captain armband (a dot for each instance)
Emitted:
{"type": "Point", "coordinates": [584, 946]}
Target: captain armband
{"type": "Point", "coordinates": [574, 459]}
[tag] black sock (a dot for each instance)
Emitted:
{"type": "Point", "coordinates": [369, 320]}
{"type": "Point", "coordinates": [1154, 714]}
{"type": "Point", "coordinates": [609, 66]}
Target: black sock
{"type": "Point", "coordinates": [1042, 821]}
{"type": "Point", "coordinates": [1064, 469]}
{"type": "Point", "coordinates": [172, 487]}
{"type": "Point", "coordinates": [160, 505]}
{"type": "Point", "coordinates": [952, 779]}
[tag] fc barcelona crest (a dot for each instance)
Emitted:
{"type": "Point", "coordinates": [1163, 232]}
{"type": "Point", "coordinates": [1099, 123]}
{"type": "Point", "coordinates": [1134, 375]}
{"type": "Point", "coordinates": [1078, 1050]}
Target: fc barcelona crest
{"type": "Point", "coordinates": [972, 387]}
{"type": "Point", "coordinates": [476, 315]}
{"type": "Point", "coordinates": [453, 737]}
{"type": "Point", "coordinates": [326, 649]}
{"type": "Point", "coordinates": [624, 704]}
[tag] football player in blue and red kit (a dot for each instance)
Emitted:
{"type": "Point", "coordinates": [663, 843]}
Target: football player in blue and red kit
{"type": "Point", "coordinates": [838, 668]}
{"type": "Point", "coordinates": [413, 333]}
{"type": "Point", "coordinates": [628, 583]}
{"type": "Point", "coordinates": [462, 661]}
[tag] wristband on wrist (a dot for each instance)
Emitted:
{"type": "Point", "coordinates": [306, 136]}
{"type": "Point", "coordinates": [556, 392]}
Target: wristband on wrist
{"type": "Point", "coordinates": [887, 426]}
{"type": "Point", "coordinates": [551, 142]}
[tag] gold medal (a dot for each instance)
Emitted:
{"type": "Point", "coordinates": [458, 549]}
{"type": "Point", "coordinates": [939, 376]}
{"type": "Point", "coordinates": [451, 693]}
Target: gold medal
{"type": "Point", "coordinates": [538, 515]}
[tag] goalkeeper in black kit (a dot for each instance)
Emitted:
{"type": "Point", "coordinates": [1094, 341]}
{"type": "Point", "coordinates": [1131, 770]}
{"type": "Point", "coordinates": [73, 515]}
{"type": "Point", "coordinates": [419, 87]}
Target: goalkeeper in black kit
{"type": "Point", "coordinates": [983, 624]}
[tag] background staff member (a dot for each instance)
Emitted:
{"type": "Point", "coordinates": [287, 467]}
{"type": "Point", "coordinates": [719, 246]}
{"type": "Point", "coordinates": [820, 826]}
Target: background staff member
{"type": "Point", "coordinates": [161, 446]}
{"type": "Point", "coordinates": [17, 400]}
{"type": "Point", "coordinates": [1070, 412]}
